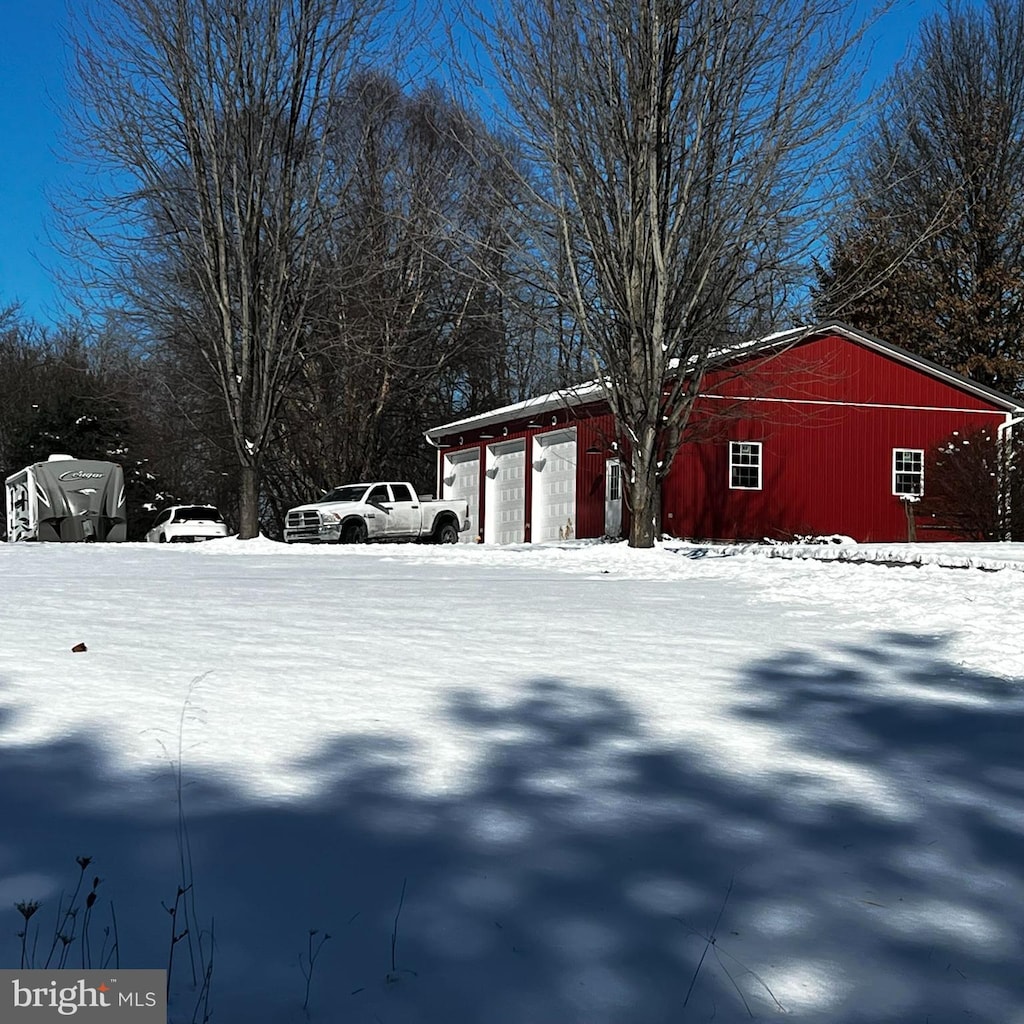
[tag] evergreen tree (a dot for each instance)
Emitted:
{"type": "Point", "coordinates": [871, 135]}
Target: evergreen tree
{"type": "Point", "coordinates": [931, 253]}
{"type": "Point", "coordinates": [57, 396]}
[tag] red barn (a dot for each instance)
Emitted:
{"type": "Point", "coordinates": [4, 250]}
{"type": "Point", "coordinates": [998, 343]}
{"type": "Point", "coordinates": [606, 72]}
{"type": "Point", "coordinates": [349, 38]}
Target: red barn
{"type": "Point", "coordinates": [811, 432]}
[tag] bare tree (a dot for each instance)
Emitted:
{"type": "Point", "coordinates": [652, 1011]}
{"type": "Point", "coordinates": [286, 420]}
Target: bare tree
{"type": "Point", "coordinates": [685, 147]}
{"type": "Point", "coordinates": [421, 317]}
{"type": "Point", "coordinates": [932, 250]}
{"type": "Point", "coordinates": [208, 118]}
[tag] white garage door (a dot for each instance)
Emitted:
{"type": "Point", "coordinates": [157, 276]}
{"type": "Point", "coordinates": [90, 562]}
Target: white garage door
{"type": "Point", "coordinates": [505, 493]}
{"type": "Point", "coordinates": [460, 479]}
{"type": "Point", "coordinates": [554, 486]}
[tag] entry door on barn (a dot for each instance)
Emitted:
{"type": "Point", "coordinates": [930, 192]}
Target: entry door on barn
{"type": "Point", "coordinates": [613, 498]}
{"type": "Point", "coordinates": [553, 511]}
{"type": "Point", "coordinates": [505, 493]}
{"type": "Point", "coordinates": [461, 482]}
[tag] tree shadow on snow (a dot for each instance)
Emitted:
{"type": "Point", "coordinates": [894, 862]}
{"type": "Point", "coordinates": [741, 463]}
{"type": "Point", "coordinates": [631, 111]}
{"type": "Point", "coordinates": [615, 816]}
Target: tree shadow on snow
{"type": "Point", "coordinates": [852, 846]}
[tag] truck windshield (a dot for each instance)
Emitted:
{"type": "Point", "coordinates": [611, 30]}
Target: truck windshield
{"type": "Point", "coordinates": [353, 492]}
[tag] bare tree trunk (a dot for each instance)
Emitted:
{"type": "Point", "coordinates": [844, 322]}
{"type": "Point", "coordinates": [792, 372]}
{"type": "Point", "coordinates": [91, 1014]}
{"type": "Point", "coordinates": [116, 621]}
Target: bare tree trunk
{"type": "Point", "coordinates": [248, 502]}
{"type": "Point", "coordinates": [643, 494]}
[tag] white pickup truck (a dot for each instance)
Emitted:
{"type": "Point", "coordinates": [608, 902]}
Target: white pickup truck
{"type": "Point", "coordinates": [388, 511]}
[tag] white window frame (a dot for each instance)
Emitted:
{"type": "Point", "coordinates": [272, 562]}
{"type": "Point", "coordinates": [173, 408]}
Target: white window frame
{"type": "Point", "coordinates": [736, 453]}
{"type": "Point", "coordinates": [919, 473]}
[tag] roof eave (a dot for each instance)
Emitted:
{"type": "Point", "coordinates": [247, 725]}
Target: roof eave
{"type": "Point", "coordinates": [565, 398]}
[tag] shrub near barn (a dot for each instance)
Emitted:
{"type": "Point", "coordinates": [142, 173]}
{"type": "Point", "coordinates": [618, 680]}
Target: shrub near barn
{"type": "Point", "coordinates": [973, 486]}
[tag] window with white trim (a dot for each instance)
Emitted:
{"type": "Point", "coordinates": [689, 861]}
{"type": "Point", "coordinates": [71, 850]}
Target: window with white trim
{"type": "Point", "coordinates": [745, 465]}
{"type": "Point", "coordinates": [908, 471]}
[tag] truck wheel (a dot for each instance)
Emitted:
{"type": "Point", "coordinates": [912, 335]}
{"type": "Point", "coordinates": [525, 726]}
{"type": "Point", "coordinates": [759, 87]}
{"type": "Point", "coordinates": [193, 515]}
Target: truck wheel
{"type": "Point", "coordinates": [447, 533]}
{"type": "Point", "coordinates": [354, 532]}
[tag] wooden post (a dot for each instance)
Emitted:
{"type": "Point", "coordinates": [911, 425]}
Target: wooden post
{"type": "Point", "coordinates": [908, 507]}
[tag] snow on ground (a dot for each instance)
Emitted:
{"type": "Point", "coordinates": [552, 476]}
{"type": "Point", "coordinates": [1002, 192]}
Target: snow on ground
{"type": "Point", "coordinates": [582, 763]}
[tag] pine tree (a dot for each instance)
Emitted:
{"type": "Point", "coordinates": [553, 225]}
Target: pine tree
{"type": "Point", "coordinates": [931, 253]}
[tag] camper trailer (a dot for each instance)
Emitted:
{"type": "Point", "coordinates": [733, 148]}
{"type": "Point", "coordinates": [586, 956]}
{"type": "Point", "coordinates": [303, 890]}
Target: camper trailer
{"type": "Point", "coordinates": [66, 499]}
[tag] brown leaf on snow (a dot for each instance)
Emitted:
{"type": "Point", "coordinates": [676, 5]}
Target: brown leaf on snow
{"type": "Point", "coordinates": [78, 648]}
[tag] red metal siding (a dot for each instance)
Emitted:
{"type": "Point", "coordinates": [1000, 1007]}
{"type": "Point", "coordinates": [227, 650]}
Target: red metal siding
{"type": "Point", "coordinates": [818, 477]}
{"type": "Point", "coordinates": [826, 468]}
{"type": "Point", "coordinates": [833, 368]}
{"type": "Point", "coordinates": [596, 431]}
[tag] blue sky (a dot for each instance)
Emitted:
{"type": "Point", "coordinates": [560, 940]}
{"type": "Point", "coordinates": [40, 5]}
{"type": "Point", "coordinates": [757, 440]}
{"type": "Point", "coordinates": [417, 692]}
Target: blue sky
{"type": "Point", "coordinates": [32, 166]}
{"type": "Point", "coordinates": [31, 92]}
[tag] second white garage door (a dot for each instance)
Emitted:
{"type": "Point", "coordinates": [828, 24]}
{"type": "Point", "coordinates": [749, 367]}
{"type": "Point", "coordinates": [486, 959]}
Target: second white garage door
{"type": "Point", "coordinates": [505, 493]}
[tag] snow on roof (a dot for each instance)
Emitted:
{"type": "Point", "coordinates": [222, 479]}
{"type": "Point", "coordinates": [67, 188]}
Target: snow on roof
{"type": "Point", "coordinates": [753, 344]}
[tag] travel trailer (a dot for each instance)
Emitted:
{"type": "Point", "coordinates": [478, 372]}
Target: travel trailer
{"type": "Point", "coordinates": [66, 499]}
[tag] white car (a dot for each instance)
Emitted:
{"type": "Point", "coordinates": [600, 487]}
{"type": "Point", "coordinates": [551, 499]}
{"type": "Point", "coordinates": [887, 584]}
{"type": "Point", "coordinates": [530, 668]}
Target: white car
{"type": "Point", "coordinates": [183, 524]}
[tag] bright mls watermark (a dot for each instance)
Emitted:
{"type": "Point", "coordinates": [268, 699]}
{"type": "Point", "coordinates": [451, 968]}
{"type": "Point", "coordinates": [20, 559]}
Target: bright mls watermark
{"type": "Point", "coordinates": [40, 997]}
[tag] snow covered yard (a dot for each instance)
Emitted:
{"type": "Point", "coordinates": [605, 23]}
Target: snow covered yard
{"type": "Point", "coordinates": [581, 762]}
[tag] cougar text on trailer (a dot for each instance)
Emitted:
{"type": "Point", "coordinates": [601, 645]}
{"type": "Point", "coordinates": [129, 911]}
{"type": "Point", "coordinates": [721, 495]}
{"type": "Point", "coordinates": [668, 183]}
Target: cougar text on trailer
{"type": "Point", "coordinates": [67, 499]}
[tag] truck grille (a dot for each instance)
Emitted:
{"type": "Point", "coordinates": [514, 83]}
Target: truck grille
{"type": "Point", "coordinates": [303, 526]}
{"type": "Point", "coordinates": [307, 520]}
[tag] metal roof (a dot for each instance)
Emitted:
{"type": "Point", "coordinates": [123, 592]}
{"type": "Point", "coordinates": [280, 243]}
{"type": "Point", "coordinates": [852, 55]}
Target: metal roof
{"type": "Point", "coordinates": [590, 391]}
